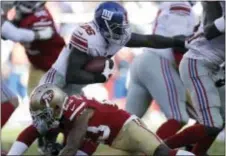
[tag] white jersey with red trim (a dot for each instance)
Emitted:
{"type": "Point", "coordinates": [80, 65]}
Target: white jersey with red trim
{"type": "Point", "coordinates": [212, 51]}
{"type": "Point", "coordinates": [88, 39]}
{"type": "Point", "coordinates": [173, 18]}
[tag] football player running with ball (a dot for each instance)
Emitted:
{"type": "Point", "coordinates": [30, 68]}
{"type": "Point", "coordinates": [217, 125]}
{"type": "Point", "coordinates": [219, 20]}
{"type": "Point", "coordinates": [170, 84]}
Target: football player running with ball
{"type": "Point", "coordinates": [88, 119]}
{"type": "Point", "coordinates": [104, 36]}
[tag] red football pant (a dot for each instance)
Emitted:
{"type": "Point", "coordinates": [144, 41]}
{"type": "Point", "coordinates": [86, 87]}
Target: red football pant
{"type": "Point", "coordinates": [192, 135]}
{"type": "Point", "coordinates": [169, 128]}
{"type": "Point", "coordinates": [7, 109]}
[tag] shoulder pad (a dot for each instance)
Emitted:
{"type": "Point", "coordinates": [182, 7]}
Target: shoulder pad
{"type": "Point", "coordinates": [86, 37]}
{"type": "Point", "coordinates": [79, 39]}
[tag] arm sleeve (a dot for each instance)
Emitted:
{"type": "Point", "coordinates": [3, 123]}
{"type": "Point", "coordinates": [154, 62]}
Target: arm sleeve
{"type": "Point", "coordinates": [153, 41]}
{"type": "Point", "coordinates": [24, 140]}
{"type": "Point", "coordinates": [75, 73]}
{"type": "Point", "coordinates": [11, 32]}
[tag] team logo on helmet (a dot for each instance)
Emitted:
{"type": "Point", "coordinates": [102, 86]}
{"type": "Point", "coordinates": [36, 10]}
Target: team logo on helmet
{"type": "Point", "coordinates": [47, 97]}
{"type": "Point", "coordinates": [107, 15]}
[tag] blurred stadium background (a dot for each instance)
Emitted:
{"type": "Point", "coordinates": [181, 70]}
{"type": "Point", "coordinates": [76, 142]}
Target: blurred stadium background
{"type": "Point", "coordinates": [15, 65]}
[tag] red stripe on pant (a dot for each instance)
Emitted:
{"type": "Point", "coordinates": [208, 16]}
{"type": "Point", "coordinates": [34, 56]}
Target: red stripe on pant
{"type": "Point", "coordinates": [191, 75]}
{"type": "Point", "coordinates": [205, 96]}
{"type": "Point", "coordinates": [167, 87]}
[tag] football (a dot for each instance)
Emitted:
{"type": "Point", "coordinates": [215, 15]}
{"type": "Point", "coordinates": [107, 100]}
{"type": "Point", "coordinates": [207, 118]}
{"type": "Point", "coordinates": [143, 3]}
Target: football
{"type": "Point", "coordinates": [96, 65]}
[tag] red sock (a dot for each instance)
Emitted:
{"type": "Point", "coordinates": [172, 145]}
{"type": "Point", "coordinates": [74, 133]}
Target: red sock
{"type": "Point", "coordinates": [169, 128]}
{"type": "Point", "coordinates": [190, 135]}
{"type": "Point", "coordinates": [6, 110]}
{"type": "Point", "coordinates": [28, 135]}
{"type": "Point", "coordinates": [203, 145]}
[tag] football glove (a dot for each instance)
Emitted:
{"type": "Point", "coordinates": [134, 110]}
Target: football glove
{"type": "Point", "coordinates": [108, 69]}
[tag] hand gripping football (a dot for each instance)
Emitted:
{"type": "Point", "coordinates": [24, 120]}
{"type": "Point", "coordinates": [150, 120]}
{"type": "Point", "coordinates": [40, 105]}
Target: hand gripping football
{"type": "Point", "coordinates": [96, 65]}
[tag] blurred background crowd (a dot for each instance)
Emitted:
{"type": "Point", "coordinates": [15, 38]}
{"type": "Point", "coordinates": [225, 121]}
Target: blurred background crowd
{"type": "Point", "coordinates": [15, 65]}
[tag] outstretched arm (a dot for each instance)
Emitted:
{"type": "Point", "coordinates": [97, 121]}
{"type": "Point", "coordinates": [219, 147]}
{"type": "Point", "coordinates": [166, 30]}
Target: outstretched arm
{"type": "Point", "coordinates": [154, 41]}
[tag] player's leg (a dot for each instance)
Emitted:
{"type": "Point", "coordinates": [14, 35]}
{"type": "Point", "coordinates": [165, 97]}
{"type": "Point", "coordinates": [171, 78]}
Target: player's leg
{"type": "Point", "coordinates": [136, 137]}
{"type": "Point", "coordinates": [138, 98]}
{"type": "Point", "coordinates": [206, 99]}
{"type": "Point", "coordinates": [203, 145]}
{"type": "Point", "coordinates": [9, 101]}
{"type": "Point", "coordinates": [164, 84]}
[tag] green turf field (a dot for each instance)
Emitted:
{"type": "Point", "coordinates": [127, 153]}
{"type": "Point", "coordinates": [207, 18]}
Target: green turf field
{"type": "Point", "coordinates": [8, 136]}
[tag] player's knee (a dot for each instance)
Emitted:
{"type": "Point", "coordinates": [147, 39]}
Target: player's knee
{"type": "Point", "coordinates": [15, 101]}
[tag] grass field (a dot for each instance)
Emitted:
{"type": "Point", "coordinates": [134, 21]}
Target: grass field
{"type": "Point", "coordinates": [9, 135]}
